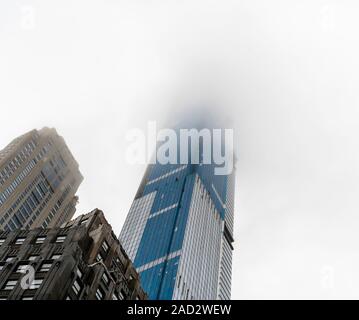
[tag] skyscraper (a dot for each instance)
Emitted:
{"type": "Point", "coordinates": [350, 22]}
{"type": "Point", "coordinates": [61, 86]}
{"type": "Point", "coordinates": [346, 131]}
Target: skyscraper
{"type": "Point", "coordinates": [179, 232]}
{"type": "Point", "coordinates": [38, 181]}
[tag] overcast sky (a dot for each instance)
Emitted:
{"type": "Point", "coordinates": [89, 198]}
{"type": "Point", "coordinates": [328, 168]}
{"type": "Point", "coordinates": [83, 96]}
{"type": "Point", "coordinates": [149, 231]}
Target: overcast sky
{"type": "Point", "coordinates": [286, 73]}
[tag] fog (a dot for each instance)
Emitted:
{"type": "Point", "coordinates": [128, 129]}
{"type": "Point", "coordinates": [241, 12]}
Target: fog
{"type": "Point", "coordinates": [283, 74]}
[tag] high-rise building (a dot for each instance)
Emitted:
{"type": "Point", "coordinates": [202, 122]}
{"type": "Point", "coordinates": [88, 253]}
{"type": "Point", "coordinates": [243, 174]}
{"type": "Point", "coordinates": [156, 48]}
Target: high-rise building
{"type": "Point", "coordinates": [39, 178]}
{"type": "Point", "coordinates": [81, 260]}
{"type": "Point", "coordinates": [179, 232]}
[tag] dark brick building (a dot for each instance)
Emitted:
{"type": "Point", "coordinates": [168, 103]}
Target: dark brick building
{"type": "Point", "coordinates": [81, 260]}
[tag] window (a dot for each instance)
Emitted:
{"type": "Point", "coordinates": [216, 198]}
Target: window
{"type": "Point", "coordinates": [105, 246]}
{"type": "Point", "coordinates": [21, 268]}
{"type": "Point", "coordinates": [76, 287]}
{"type": "Point", "coordinates": [60, 239]}
{"type": "Point", "coordinates": [2, 241]}
{"type": "Point", "coordinates": [1, 266]}
{"type": "Point", "coordinates": [99, 258]}
{"type": "Point", "coordinates": [20, 240]}
{"type": "Point", "coordinates": [35, 284]}
{"type": "Point", "coordinates": [55, 256]}
{"type": "Point", "coordinates": [114, 297]}
{"type": "Point", "coordinates": [32, 257]}
{"type": "Point", "coordinates": [10, 258]}
{"type": "Point", "coordinates": [79, 273]}
{"type": "Point", "coordinates": [10, 285]}
{"type": "Point", "coordinates": [105, 279]}
{"type": "Point", "coordinates": [68, 298]}
{"type": "Point", "coordinates": [27, 298]}
{"type": "Point", "coordinates": [45, 267]}
{"type": "Point", "coordinates": [121, 295]}
{"type": "Point", "coordinates": [40, 240]}
{"type": "Point", "coordinates": [99, 294]}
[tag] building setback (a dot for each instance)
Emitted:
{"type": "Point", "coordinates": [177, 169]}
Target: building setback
{"type": "Point", "coordinates": [81, 260]}
{"type": "Point", "coordinates": [39, 178]}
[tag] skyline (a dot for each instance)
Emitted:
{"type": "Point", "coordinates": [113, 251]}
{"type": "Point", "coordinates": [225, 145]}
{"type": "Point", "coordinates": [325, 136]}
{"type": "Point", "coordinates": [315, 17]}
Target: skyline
{"type": "Point", "coordinates": [204, 196]}
{"type": "Point", "coordinates": [285, 74]}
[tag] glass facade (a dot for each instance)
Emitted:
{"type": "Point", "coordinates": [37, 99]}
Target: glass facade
{"type": "Point", "coordinates": [179, 232]}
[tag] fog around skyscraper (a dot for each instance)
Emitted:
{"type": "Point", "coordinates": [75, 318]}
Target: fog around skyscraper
{"type": "Point", "coordinates": [282, 73]}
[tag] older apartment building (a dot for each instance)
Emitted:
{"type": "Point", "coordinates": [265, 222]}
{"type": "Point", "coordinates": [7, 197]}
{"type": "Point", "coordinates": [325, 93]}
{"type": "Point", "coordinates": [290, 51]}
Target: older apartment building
{"type": "Point", "coordinates": [81, 260]}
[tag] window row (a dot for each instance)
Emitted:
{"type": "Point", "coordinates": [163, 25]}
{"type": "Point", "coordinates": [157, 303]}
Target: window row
{"type": "Point", "coordinates": [17, 181]}
{"type": "Point", "coordinates": [30, 258]}
{"type": "Point", "coordinates": [11, 284]}
{"type": "Point", "coordinates": [38, 240]}
{"type": "Point", "coordinates": [14, 164]}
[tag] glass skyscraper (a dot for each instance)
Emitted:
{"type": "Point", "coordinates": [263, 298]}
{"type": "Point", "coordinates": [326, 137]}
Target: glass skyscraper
{"type": "Point", "coordinates": [179, 232]}
{"type": "Point", "coordinates": [39, 178]}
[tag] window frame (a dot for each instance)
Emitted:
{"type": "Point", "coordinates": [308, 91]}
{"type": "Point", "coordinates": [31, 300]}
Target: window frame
{"type": "Point", "coordinates": [21, 242]}
{"type": "Point", "coordinates": [73, 287]}
{"type": "Point", "coordinates": [9, 287]}
{"type": "Point", "coordinates": [32, 257]}
{"type": "Point", "coordinates": [47, 263]}
{"type": "Point", "coordinates": [100, 291]}
{"type": "Point", "coordinates": [22, 264]}
{"type": "Point", "coordinates": [35, 284]}
{"type": "Point", "coordinates": [10, 258]}
{"type": "Point", "coordinates": [105, 246]}
{"type": "Point", "coordinates": [79, 273]}
{"type": "Point", "coordinates": [60, 239]}
{"type": "Point", "coordinates": [105, 278]}
{"type": "Point", "coordinates": [40, 239]}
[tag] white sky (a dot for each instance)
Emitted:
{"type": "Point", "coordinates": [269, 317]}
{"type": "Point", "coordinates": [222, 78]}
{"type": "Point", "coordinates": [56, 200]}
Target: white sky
{"type": "Point", "coordinates": [284, 72]}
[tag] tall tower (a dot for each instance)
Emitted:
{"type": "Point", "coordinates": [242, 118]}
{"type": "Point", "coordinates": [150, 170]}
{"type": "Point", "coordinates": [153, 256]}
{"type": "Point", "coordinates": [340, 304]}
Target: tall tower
{"type": "Point", "coordinates": [38, 181]}
{"type": "Point", "coordinates": [179, 232]}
